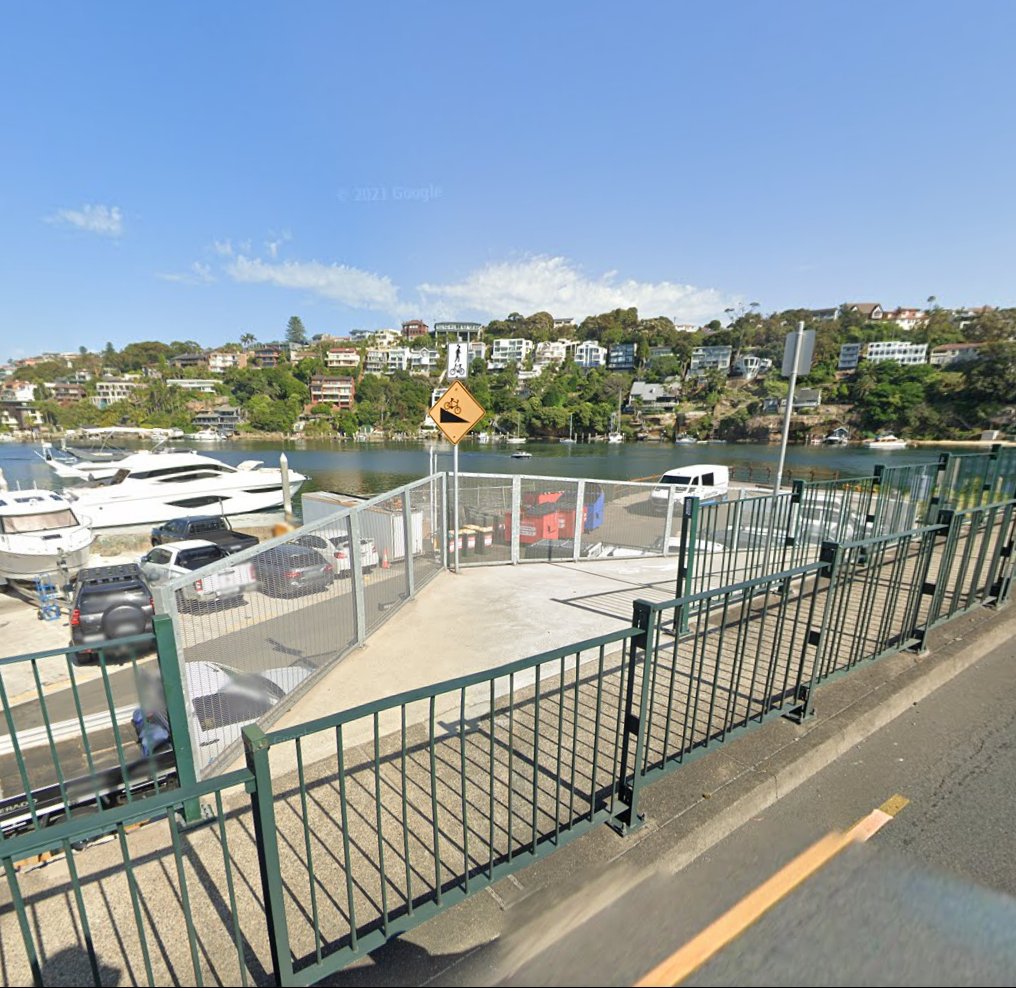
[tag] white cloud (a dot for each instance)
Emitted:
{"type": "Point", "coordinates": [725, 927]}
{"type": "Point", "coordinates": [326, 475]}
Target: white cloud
{"type": "Point", "coordinates": [199, 274]}
{"type": "Point", "coordinates": [556, 285]}
{"type": "Point", "coordinates": [273, 245]}
{"type": "Point", "coordinates": [107, 221]}
{"type": "Point", "coordinates": [224, 248]}
{"type": "Point", "coordinates": [335, 282]}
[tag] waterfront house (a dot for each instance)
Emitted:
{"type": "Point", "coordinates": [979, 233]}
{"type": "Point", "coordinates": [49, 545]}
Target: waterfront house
{"type": "Point", "coordinates": [953, 354]}
{"type": "Point", "coordinates": [338, 391]}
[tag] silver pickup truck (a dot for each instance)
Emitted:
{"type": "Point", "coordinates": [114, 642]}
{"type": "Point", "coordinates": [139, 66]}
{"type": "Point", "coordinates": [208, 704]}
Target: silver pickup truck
{"type": "Point", "coordinates": [167, 562]}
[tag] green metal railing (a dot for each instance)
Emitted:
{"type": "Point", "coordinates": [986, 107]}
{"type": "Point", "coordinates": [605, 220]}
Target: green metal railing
{"type": "Point", "coordinates": [430, 795]}
{"type": "Point", "coordinates": [365, 823]}
{"type": "Point", "coordinates": [66, 742]}
{"type": "Point", "coordinates": [162, 889]}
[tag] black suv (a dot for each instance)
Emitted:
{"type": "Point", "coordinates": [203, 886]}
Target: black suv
{"type": "Point", "coordinates": [213, 528]}
{"type": "Point", "coordinates": [111, 602]}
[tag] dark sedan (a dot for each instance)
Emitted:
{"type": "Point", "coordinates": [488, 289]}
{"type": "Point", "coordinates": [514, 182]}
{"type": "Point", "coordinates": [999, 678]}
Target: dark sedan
{"type": "Point", "coordinates": [288, 570]}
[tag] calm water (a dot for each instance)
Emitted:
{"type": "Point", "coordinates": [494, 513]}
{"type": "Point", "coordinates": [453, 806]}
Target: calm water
{"type": "Point", "coordinates": [365, 469]}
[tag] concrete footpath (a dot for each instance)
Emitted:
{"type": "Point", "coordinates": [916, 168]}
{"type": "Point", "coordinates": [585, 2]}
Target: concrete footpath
{"type": "Point", "coordinates": [687, 812]}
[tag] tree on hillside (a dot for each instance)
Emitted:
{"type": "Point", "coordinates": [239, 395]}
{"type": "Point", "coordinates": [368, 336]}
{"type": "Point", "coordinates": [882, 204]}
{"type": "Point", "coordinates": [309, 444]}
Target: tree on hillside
{"type": "Point", "coordinates": [248, 340]}
{"type": "Point", "coordinates": [295, 332]}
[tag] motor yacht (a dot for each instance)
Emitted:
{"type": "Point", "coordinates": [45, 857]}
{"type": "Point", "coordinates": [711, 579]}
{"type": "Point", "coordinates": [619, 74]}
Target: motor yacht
{"type": "Point", "coordinates": [153, 487]}
{"type": "Point", "coordinates": [41, 532]}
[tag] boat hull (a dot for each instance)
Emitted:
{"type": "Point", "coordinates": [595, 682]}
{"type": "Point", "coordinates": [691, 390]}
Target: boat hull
{"type": "Point", "coordinates": [105, 507]}
{"type": "Point", "coordinates": [26, 566]}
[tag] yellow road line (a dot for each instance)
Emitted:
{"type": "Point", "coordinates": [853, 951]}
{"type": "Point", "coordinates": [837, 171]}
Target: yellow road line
{"type": "Point", "coordinates": [753, 906]}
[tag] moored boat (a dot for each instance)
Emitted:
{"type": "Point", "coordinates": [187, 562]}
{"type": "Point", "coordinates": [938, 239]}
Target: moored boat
{"type": "Point", "coordinates": [41, 532]}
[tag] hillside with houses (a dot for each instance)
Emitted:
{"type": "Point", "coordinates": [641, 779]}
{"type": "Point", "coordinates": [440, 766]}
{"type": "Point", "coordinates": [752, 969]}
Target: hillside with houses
{"type": "Point", "coordinates": [929, 373]}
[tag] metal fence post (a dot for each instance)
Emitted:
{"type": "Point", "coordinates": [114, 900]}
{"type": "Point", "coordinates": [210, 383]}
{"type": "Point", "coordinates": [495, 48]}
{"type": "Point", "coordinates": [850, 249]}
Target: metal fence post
{"type": "Point", "coordinates": [668, 524]}
{"type": "Point", "coordinates": [443, 533]}
{"type": "Point", "coordinates": [580, 520]}
{"type": "Point", "coordinates": [516, 516]}
{"type": "Point", "coordinates": [262, 801]}
{"type": "Point", "coordinates": [356, 577]}
{"type": "Point", "coordinates": [175, 693]}
{"type": "Point", "coordinates": [995, 462]}
{"type": "Point", "coordinates": [686, 558]}
{"type": "Point", "coordinates": [793, 514]}
{"type": "Point", "coordinates": [407, 539]}
{"type": "Point", "coordinates": [937, 490]}
{"type": "Point", "coordinates": [635, 723]}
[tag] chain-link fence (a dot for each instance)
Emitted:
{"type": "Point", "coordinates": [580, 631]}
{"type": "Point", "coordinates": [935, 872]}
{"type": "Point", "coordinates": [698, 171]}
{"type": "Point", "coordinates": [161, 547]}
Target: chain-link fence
{"type": "Point", "coordinates": [255, 627]}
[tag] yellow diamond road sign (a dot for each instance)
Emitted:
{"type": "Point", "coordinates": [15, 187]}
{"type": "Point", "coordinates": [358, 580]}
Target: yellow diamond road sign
{"type": "Point", "coordinates": [456, 412]}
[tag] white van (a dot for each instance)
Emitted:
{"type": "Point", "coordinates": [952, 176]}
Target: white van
{"type": "Point", "coordinates": [708, 481]}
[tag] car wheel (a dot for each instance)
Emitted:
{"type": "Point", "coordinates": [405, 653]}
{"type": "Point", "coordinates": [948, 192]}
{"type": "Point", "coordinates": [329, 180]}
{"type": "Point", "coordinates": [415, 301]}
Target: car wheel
{"type": "Point", "coordinates": [123, 621]}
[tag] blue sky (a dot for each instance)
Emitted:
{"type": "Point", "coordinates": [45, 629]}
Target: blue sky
{"type": "Point", "coordinates": [201, 170]}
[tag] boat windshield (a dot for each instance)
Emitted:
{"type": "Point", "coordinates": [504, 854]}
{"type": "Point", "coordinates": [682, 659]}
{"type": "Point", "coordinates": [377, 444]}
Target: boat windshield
{"type": "Point", "coordinates": [44, 521]}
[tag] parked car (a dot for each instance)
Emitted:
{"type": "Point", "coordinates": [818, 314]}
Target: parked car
{"type": "Point", "coordinates": [213, 528]}
{"type": "Point", "coordinates": [338, 546]}
{"type": "Point", "coordinates": [222, 700]}
{"type": "Point", "coordinates": [708, 481]}
{"type": "Point", "coordinates": [166, 562]}
{"type": "Point", "coordinates": [110, 602]}
{"type": "Point", "coordinates": [290, 569]}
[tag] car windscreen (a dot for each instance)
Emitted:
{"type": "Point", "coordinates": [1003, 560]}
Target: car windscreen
{"type": "Point", "coordinates": [96, 601]}
{"type": "Point", "coordinates": [210, 525]}
{"type": "Point", "coordinates": [44, 521]}
{"type": "Point", "coordinates": [196, 558]}
{"type": "Point", "coordinates": [681, 479]}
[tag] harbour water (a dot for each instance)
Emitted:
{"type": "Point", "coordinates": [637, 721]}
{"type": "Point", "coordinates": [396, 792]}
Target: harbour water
{"type": "Point", "coordinates": [365, 469]}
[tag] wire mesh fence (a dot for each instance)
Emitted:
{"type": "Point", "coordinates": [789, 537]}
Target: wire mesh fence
{"type": "Point", "coordinates": [254, 628]}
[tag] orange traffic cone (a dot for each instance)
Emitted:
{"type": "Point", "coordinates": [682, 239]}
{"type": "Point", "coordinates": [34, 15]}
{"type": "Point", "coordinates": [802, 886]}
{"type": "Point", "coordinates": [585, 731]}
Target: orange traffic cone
{"type": "Point", "coordinates": [384, 560]}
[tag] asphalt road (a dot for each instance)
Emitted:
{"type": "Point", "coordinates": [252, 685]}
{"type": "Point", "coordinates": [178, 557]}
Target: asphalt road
{"type": "Point", "coordinates": [927, 901]}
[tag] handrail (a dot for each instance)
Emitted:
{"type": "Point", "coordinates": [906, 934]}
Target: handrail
{"type": "Point", "coordinates": [92, 825]}
{"type": "Point", "coordinates": [71, 649]}
{"type": "Point", "coordinates": [732, 588]}
{"type": "Point", "coordinates": [446, 686]}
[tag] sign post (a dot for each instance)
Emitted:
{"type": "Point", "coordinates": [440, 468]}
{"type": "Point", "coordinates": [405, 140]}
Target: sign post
{"type": "Point", "coordinates": [798, 349]}
{"type": "Point", "coordinates": [455, 413]}
{"type": "Point", "coordinates": [797, 353]}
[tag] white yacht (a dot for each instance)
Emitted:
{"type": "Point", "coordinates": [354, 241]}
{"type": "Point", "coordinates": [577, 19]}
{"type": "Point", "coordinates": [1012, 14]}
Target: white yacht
{"type": "Point", "coordinates": [41, 532]}
{"type": "Point", "coordinates": [152, 487]}
{"type": "Point", "coordinates": [206, 436]}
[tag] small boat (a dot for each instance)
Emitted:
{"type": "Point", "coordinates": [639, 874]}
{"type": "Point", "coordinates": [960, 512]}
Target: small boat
{"type": "Point", "coordinates": [570, 441]}
{"type": "Point", "coordinates": [838, 437]}
{"type": "Point", "coordinates": [206, 436]}
{"type": "Point", "coordinates": [521, 454]}
{"type": "Point", "coordinates": [615, 435]}
{"type": "Point", "coordinates": [516, 440]}
{"type": "Point", "coordinates": [685, 440]}
{"type": "Point", "coordinates": [886, 442]}
{"type": "Point", "coordinates": [40, 532]}
{"type": "Point", "coordinates": [483, 438]}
